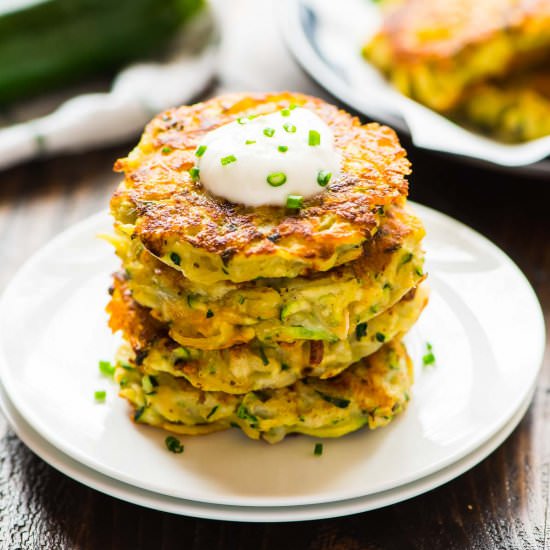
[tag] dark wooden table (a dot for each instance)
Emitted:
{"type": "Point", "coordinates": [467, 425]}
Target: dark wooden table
{"type": "Point", "coordinates": [501, 504]}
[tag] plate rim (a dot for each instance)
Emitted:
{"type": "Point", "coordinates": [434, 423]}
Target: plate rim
{"type": "Point", "coordinates": [159, 502]}
{"type": "Point", "coordinates": [31, 417]}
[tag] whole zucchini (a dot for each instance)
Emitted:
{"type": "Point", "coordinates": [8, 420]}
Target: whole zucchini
{"type": "Point", "coordinates": [47, 43]}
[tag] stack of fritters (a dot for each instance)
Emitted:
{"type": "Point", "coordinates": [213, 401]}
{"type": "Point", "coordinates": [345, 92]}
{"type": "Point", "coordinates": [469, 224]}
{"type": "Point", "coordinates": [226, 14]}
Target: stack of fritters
{"type": "Point", "coordinates": [486, 62]}
{"type": "Point", "coordinates": [269, 319]}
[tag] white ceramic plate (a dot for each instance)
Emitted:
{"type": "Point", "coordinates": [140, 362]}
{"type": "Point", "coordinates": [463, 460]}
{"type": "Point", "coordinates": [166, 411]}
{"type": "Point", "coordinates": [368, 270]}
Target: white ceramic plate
{"type": "Point", "coordinates": [483, 320]}
{"type": "Point", "coordinates": [156, 501]}
{"type": "Point", "coordinates": [326, 39]}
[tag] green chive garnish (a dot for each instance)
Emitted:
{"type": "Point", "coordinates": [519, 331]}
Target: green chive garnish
{"type": "Point", "coordinates": [209, 314]}
{"type": "Point", "coordinates": [361, 331]}
{"type": "Point", "coordinates": [200, 151]}
{"type": "Point", "coordinates": [242, 120]}
{"type": "Point", "coordinates": [283, 148]}
{"type": "Point", "coordinates": [194, 172]}
{"type": "Point", "coordinates": [100, 395]}
{"type": "Point", "coordinates": [314, 138]}
{"type": "Point", "coordinates": [228, 160]}
{"type": "Point", "coordinates": [269, 132]}
{"type": "Point", "coordinates": [276, 179]}
{"type": "Point", "coordinates": [252, 117]}
{"type": "Point", "coordinates": [249, 141]}
{"type": "Point", "coordinates": [294, 201]}
{"type": "Point", "coordinates": [323, 177]}
{"type": "Point", "coordinates": [176, 259]}
{"type": "Point", "coordinates": [292, 106]}
{"type": "Point", "coordinates": [290, 128]}
{"type": "Point", "coordinates": [380, 337]}
{"type": "Point", "coordinates": [318, 450]}
{"type": "Point", "coordinates": [106, 368]}
{"type": "Point", "coordinates": [173, 444]}
{"type": "Point", "coordinates": [285, 112]}
{"type": "Point", "coordinates": [166, 150]}
{"type": "Point", "coordinates": [429, 358]}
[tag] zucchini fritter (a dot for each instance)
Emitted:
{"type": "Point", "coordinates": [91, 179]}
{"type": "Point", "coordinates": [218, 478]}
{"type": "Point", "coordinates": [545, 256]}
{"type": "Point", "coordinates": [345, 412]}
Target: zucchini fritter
{"type": "Point", "coordinates": [370, 392]}
{"type": "Point", "coordinates": [511, 110]}
{"type": "Point", "coordinates": [324, 306]}
{"type": "Point", "coordinates": [435, 50]}
{"type": "Point", "coordinates": [210, 239]}
{"type": "Point", "coordinates": [256, 365]}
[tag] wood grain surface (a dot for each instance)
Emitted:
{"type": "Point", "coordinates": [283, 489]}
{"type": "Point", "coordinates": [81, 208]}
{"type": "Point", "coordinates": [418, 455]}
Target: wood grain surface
{"type": "Point", "coordinates": [501, 504]}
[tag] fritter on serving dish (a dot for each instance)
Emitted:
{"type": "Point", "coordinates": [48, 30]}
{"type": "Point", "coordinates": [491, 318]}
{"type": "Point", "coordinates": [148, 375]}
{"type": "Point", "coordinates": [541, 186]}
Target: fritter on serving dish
{"type": "Point", "coordinates": [370, 393]}
{"type": "Point", "coordinates": [446, 53]}
{"type": "Point", "coordinates": [511, 110]}
{"type": "Point", "coordinates": [210, 240]}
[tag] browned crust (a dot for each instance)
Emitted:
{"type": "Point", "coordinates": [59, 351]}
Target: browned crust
{"type": "Point", "coordinates": [168, 204]}
{"type": "Point", "coordinates": [440, 29]}
{"type": "Point", "coordinates": [138, 327]}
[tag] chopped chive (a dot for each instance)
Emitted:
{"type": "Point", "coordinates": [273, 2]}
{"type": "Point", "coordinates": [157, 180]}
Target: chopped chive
{"type": "Point", "coordinates": [269, 132]}
{"type": "Point", "coordinates": [242, 120]}
{"type": "Point", "coordinates": [200, 151]}
{"type": "Point", "coordinates": [228, 160]}
{"type": "Point", "coordinates": [294, 201]}
{"type": "Point", "coordinates": [314, 138]}
{"type": "Point", "coordinates": [100, 395]}
{"type": "Point", "coordinates": [252, 117]}
{"type": "Point", "coordinates": [290, 128]}
{"type": "Point", "coordinates": [106, 368]}
{"type": "Point", "coordinates": [166, 150]}
{"type": "Point", "coordinates": [428, 358]}
{"type": "Point", "coordinates": [283, 148]}
{"type": "Point", "coordinates": [285, 112]}
{"type": "Point", "coordinates": [276, 179]}
{"type": "Point", "coordinates": [292, 106]}
{"type": "Point", "coordinates": [249, 141]}
{"type": "Point", "coordinates": [173, 444]}
{"type": "Point", "coordinates": [323, 177]}
{"type": "Point", "coordinates": [209, 314]}
{"type": "Point", "coordinates": [361, 330]}
{"type": "Point", "coordinates": [419, 271]}
{"type": "Point", "coordinates": [175, 258]}
{"type": "Point", "coordinates": [138, 413]}
{"type": "Point", "coordinates": [380, 337]}
{"type": "Point", "coordinates": [318, 450]}
{"type": "Point", "coordinates": [194, 172]}
{"type": "Point", "coordinates": [284, 366]}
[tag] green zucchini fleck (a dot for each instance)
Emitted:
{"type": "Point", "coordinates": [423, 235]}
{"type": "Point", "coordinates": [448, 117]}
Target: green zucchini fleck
{"type": "Point", "coordinates": [339, 402]}
{"type": "Point", "coordinates": [361, 330]}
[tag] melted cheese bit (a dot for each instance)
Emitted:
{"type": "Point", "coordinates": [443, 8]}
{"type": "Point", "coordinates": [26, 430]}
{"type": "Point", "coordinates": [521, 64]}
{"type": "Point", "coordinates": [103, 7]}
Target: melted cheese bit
{"type": "Point", "coordinates": [277, 159]}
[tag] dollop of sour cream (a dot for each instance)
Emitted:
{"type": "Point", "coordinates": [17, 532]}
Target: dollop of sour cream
{"type": "Point", "coordinates": [276, 159]}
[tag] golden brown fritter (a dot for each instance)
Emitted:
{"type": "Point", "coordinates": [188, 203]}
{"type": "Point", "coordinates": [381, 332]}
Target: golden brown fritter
{"type": "Point", "coordinates": [370, 393]}
{"type": "Point", "coordinates": [255, 365]}
{"type": "Point", "coordinates": [511, 110]}
{"type": "Point", "coordinates": [323, 306]}
{"type": "Point", "coordinates": [210, 239]}
{"type": "Point", "coordinates": [433, 50]}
